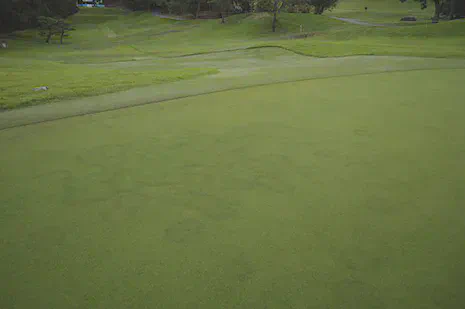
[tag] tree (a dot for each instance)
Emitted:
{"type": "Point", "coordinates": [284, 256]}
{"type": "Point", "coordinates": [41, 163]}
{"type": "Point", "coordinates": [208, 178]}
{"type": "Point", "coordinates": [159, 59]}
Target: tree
{"type": "Point", "coordinates": [438, 6]}
{"type": "Point", "coordinates": [143, 5]}
{"type": "Point", "coordinates": [222, 7]}
{"type": "Point", "coordinates": [197, 11]}
{"type": "Point", "coordinates": [172, 6]}
{"type": "Point", "coordinates": [273, 6]}
{"type": "Point", "coordinates": [450, 8]}
{"type": "Point", "coordinates": [50, 26]}
{"type": "Point", "coordinates": [263, 5]}
{"type": "Point", "coordinates": [63, 29]}
{"type": "Point", "coordinates": [243, 6]}
{"type": "Point", "coordinates": [22, 14]}
{"type": "Point", "coordinates": [319, 6]}
{"type": "Point", "coordinates": [456, 9]}
{"type": "Point", "coordinates": [277, 5]}
{"type": "Point", "coordinates": [192, 7]}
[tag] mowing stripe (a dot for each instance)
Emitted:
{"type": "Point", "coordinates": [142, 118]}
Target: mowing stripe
{"type": "Point", "coordinates": [18, 121]}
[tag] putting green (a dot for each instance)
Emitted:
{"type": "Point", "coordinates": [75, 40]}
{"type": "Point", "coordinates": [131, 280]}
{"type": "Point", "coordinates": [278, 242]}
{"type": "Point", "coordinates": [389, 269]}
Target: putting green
{"type": "Point", "coordinates": [343, 192]}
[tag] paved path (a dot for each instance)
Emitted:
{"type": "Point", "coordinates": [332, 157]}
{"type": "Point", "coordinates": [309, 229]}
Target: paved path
{"type": "Point", "coordinates": [174, 17]}
{"type": "Point", "coordinates": [359, 22]}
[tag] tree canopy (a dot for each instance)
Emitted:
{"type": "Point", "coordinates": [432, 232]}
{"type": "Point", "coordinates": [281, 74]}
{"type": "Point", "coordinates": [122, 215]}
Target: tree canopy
{"type": "Point", "coordinates": [21, 14]}
{"type": "Point", "coordinates": [445, 8]}
{"type": "Point", "coordinates": [50, 26]}
{"type": "Point", "coordinates": [222, 7]}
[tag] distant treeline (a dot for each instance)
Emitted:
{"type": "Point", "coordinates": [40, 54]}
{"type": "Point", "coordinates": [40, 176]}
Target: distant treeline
{"type": "Point", "coordinates": [443, 8]}
{"type": "Point", "coordinates": [226, 7]}
{"type": "Point", "coordinates": [22, 14]}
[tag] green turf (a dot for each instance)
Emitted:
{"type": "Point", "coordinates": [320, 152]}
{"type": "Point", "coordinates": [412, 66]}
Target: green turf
{"type": "Point", "coordinates": [110, 36]}
{"type": "Point", "coordinates": [344, 192]}
{"type": "Point", "coordinates": [238, 69]}
{"type": "Point", "coordinates": [70, 81]}
{"type": "Point", "coordinates": [318, 182]}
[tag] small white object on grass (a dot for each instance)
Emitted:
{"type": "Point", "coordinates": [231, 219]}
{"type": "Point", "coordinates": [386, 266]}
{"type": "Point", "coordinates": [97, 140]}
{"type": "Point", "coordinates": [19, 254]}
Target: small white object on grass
{"type": "Point", "coordinates": [42, 88]}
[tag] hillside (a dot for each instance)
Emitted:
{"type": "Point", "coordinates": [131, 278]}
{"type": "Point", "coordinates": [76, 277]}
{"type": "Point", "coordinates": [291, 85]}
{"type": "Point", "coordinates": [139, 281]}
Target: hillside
{"type": "Point", "coordinates": [109, 36]}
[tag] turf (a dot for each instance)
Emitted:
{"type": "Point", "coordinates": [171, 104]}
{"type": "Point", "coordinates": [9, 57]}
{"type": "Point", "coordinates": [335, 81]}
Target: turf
{"type": "Point", "coordinates": [224, 166]}
{"type": "Point", "coordinates": [111, 36]}
{"type": "Point", "coordinates": [71, 81]}
{"type": "Point", "coordinates": [237, 69]}
{"type": "Point", "coordinates": [344, 192]}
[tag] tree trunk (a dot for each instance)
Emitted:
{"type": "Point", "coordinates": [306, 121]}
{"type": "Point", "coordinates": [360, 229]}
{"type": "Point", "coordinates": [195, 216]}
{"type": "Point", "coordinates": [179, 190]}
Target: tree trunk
{"type": "Point", "coordinates": [49, 36]}
{"type": "Point", "coordinates": [437, 9]}
{"type": "Point", "coordinates": [273, 25]}
{"type": "Point", "coordinates": [275, 15]}
{"type": "Point", "coordinates": [452, 8]}
{"type": "Point", "coordinates": [198, 10]}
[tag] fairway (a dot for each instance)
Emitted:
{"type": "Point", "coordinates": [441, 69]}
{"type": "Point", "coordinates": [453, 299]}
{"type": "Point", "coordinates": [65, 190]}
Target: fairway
{"type": "Point", "coordinates": [334, 192]}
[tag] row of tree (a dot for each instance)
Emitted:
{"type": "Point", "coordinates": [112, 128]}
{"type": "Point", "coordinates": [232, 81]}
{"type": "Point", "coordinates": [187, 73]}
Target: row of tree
{"type": "Point", "coordinates": [22, 14]}
{"type": "Point", "coordinates": [193, 7]}
{"type": "Point", "coordinates": [222, 8]}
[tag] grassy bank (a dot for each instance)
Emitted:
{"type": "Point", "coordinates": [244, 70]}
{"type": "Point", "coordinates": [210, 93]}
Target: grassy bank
{"type": "Point", "coordinates": [112, 35]}
{"type": "Point", "coordinates": [68, 81]}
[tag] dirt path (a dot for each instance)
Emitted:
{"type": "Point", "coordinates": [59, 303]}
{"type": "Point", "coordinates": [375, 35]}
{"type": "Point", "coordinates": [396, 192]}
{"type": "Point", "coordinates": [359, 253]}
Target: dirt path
{"type": "Point", "coordinates": [359, 22]}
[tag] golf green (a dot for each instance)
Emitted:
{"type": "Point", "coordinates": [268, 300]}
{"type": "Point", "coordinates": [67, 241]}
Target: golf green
{"type": "Point", "coordinates": [344, 192]}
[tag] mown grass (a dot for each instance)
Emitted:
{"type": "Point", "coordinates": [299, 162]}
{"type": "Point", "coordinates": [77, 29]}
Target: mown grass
{"type": "Point", "coordinates": [236, 69]}
{"type": "Point", "coordinates": [113, 35]}
{"type": "Point", "coordinates": [142, 34]}
{"type": "Point", "coordinates": [331, 193]}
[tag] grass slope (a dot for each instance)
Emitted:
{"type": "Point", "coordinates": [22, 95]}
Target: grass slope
{"type": "Point", "coordinates": [72, 80]}
{"type": "Point", "coordinates": [111, 35]}
{"type": "Point", "coordinates": [340, 192]}
{"type": "Point", "coordinates": [237, 69]}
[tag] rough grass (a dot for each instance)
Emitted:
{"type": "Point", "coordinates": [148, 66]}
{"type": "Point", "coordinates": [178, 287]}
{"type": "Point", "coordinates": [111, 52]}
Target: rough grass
{"type": "Point", "coordinates": [66, 81]}
{"type": "Point", "coordinates": [332, 193]}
